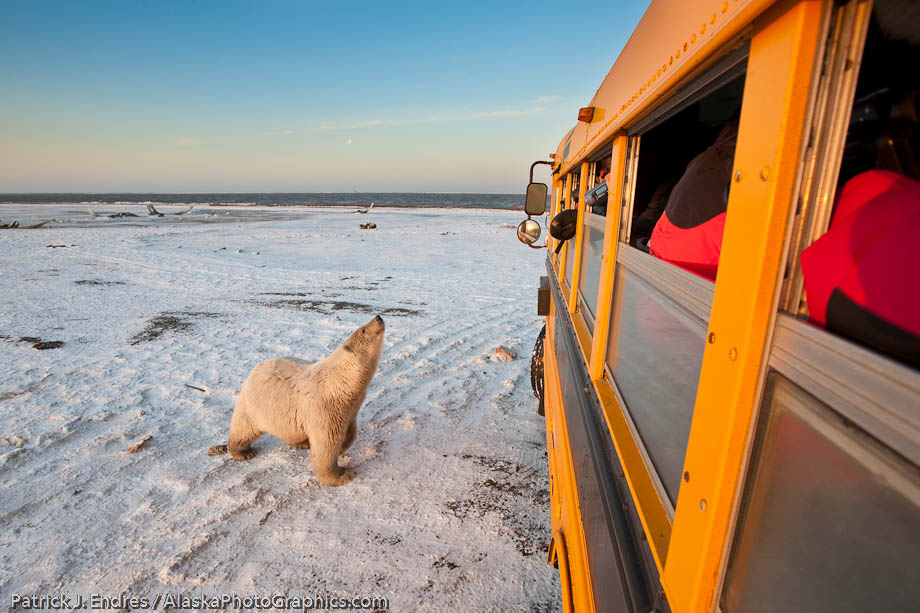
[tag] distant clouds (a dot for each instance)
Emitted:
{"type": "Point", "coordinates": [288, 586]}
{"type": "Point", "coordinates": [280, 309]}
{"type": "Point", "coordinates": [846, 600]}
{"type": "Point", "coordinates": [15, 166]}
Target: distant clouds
{"type": "Point", "coordinates": [188, 141]}
{"type": "Point", "coordinates": [506, 113]}
{"type": "Point", "coordinates": [535, 109]}
{"type": "Point", "coordinates": [357, 126]}
{"type": "Point", "coordinates": [547, 99]}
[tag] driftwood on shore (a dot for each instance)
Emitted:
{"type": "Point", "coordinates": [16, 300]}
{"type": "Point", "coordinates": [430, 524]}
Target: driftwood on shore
{"type": "Point", "coordinates": [155, 213]}
{"type": "Point", "coordinates": [14, 225]}
{"type": "Point", "coordinates": [151, 212]}
{"type": "Point", "coordinates": [113, 215]}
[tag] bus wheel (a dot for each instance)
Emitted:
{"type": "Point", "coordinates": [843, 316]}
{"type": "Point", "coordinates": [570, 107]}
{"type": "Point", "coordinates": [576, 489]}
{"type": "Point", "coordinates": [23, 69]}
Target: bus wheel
{"type": "Point", "coordinates": [536, 369]}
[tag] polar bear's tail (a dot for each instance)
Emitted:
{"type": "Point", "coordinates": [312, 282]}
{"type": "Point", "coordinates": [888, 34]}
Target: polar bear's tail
{"type": "Point", "coordinates": [217, 450]}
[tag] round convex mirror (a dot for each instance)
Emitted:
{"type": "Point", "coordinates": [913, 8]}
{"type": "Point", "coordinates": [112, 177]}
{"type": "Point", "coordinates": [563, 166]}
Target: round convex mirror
{"type": "Point", "coordinates": [528, 231]}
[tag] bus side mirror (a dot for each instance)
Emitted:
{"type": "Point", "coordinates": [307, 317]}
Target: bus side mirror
{"type": "Point", "coordinates": [535, 200]}
{"type": "Point", "coordinates": [528, 231]}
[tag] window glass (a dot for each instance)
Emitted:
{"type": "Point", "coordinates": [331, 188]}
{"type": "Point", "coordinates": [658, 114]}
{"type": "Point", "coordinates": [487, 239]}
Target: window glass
{"type": "Point", "coordinates": [655, 352]}
{"type": "Point", "coordinates": [831, 521]}
{"type": "Point", "coordinates": [592, 249]}
{"type": "Point", "coordinates": [569, 259]}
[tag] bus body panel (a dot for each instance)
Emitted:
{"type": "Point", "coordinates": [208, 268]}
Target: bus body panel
{"type": "Point", "coordinates": [628, 542]}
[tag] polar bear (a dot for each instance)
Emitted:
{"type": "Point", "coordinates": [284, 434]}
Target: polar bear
{"type": "Point", "coordinates": [308, 405]}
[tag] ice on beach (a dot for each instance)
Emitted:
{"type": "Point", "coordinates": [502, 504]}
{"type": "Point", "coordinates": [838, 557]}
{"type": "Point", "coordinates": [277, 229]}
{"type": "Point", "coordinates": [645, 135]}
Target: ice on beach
{"type": "Point", "coordinates": [160, 321]}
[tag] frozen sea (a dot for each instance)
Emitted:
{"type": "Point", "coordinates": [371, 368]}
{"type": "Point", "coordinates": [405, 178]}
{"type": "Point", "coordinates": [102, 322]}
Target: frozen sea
{"type": "Point", "coordinates": [114, 330]}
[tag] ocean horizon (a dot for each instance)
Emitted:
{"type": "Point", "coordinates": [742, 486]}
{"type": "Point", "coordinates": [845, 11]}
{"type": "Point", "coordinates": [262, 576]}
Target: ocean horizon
{"type": "Point", "coordinates": [390, 199]}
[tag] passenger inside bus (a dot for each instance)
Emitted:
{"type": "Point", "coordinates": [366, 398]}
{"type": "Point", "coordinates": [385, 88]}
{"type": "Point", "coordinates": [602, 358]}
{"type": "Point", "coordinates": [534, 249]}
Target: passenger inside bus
{"type": "Point", "coordinates": [596, 196]}
{"type": "Point", "coordinates": [689, 233]}
{"type": "Point", "coordinates": [861, 277]}
{"type": "Point", "coordinates": [664, 154]}
{"type": "Point", "coordinates": [601, 170]}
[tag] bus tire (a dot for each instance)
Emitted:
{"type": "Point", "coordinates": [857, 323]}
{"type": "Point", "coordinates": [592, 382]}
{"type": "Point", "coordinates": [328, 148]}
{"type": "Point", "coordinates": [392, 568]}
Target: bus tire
{"type": "Point", "coordinates": [536, 369]}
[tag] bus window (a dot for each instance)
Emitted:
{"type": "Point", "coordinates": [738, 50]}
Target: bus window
{"type": "Point", "coordinates": [860, 278]}
{"type": "Point", "coordinates": [662, 161]}
{"type": "Point", "coordinates": [683, 181]}
{"type": "Point", "coordinates": [596, 192]}
{"type": "Point", "coordinates": [831, 522]}
{"type": "Point", "coordinates": [661, 311]}
{"type": "Point", "coordinates": [592, 242]}
{"type": "Point", "coordinates": [655, 352]}
{"type": "Point", "coordinates": [573, 182]}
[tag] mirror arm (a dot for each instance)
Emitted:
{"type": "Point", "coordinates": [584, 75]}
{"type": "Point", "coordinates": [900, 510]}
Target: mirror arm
{"type": "Point", "coordinates": [533, 165]}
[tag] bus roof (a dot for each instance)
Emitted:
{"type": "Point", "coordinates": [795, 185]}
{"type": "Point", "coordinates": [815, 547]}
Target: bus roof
{"type": "Point", "coordinates": [672, 40]}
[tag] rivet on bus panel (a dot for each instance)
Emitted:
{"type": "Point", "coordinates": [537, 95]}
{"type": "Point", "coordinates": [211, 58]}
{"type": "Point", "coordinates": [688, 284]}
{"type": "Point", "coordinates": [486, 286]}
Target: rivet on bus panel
{"type": "Point", "coordinates": [712, 337]}
{"type": "Point", "coordinates": [732, 354]}
{"type": "Point", "coordinates": [738, 177]}
{"type": "Point", "coordinates": [764, 173]}
{"type": "Point", "coordinates": [687, 476]}
{"type": "Point", "coordinates": [724, 6]}
{"type": "Point", "coordinates": [703, 505]}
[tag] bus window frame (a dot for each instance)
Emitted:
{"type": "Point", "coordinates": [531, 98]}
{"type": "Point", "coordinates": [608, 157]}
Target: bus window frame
{"type": "Point", "coordinates": [836, 77]}
{"type": "Point", "coordinates": [647, 506]}
{"type": "Point", "coordinates": [693, 296]}
{"type": "Point", "coordinates": [772, 136]}
{"type": "Point", "coordinates": [587, 323]}
{"type": "Point", "coordinates": [617, 149]}
{"type": "Point", "coordinates": [559, 258]}
{"type": "Point", "coordinates": [572, 295]}
{"type": "Point", "coordinates": [629, 193]}
{"type": "Point", "coordinates": [558, 184]}
{"type": "Point", "coordinates": [692, 293]}
{"type": "Point", "coordinates": [836, 371]}
{"type": "Point", "coordinates": [597, 222]}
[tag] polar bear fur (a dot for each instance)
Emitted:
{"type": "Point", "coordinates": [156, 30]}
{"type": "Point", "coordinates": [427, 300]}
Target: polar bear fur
{"type": "Point", "coordinates": [310, 406]}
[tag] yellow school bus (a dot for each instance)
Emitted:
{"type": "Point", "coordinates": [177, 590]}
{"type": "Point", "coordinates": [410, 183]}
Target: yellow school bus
{"type": "Point", "coordinates": [711, 445]}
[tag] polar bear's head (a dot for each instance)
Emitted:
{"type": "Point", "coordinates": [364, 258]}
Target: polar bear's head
{"type": "Point", "coordinates": [366, 342]}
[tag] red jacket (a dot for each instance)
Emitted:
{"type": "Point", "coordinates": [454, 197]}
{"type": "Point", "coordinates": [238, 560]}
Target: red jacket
{"type": "Point", "coordinates": [689, 232]}
{"type": "Point", "coordinates": [862, 278]}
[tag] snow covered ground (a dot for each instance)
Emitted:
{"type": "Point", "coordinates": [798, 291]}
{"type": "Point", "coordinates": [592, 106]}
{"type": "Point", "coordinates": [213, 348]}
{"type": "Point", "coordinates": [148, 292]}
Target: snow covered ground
{"type": "Point", "coordinates": [161, 319]}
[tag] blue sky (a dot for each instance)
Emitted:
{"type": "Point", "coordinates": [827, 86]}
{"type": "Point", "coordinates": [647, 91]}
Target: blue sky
{"type": "Point", "coordinates": [294, 96]}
